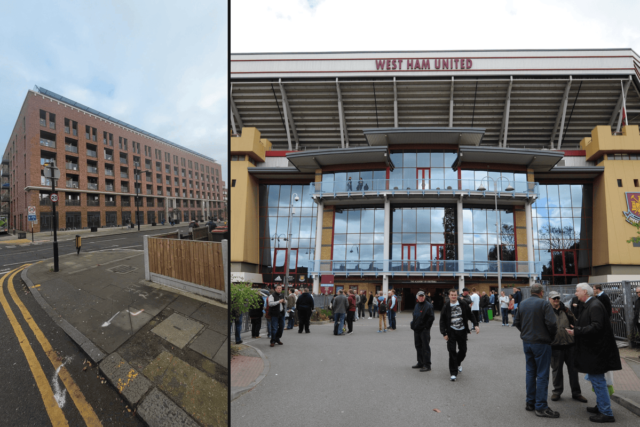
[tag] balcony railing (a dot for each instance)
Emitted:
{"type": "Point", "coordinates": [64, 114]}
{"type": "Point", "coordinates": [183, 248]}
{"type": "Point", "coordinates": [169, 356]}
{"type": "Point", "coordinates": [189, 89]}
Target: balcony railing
{"type": "Point", "coordinates": [108, 172]}
{"type": "Point", "coordinates": [45, 201]}
{"type": "Point", "coordinates": [395, 186]}
{"type": "Point", "coordinates": [75, 132]}
{"type": "Point", "coordinates": [45, 181]}
{"type": "Point", "coordinates": [108, 157]}
{"type": "Point", "coordinates": [124, 189]}
{"type": "Point", "coordinates": [47, 143]}
{"type": "Point", "coordinates": [92, 153]}
{"type": "Point", "coordinates": [149, 192]}
{"type": "Point", "coordinates": [92, 169]}
{"type": "Point", "coordinates": [108, 187]}
{"type": "Point", "coordinates": [71, 148]}
{"type": "Point", "coordinates": [72, 184]}
{"type": "Point", "coordinates": [109, 202]}
{"type": "Point", "coordinates": [92, 186]}
{"type": "Point", "coordinates": [126, 203]}
{"type": "Point", "coordinates": [425, 267]}
{"type": "Point", "coordinates": [72, 202]}
{"type": "Point", "coordinates": [123, 160]}
{"type": "Point", "coordinates": [71, 166]}
{"type": "Point", "coordinates": [43, 122]}
{"type": "Point", "coordinates": [91, 202]}
{"type": "Point", "coordinates": [124, 175]}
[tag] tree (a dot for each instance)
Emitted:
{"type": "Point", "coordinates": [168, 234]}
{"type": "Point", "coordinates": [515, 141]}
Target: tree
{"type": "Point", "coordinates": [637, 238]}
{"type": "Point", "coordinates": [243, 299]}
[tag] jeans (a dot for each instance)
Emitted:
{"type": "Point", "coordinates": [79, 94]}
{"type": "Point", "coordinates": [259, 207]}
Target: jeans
{"type": "Point", "coordinates": [603, 401]}
{"type": "Point", "coordinates": [485, 314]}
{"type": "Point", "coordinates": [276, 326]}
{"type": "Point", "coordinates": [350, 317]}
{"type": "Point", "coordinates": [371, 311]}
{"type": "Point", "coordinates": [538, 357]}
{"type": "Point", "coordinates": [505, 316]}
{"type": "Point", "coordinates": [361, 311]}
{"type": "Point", "coordinates": [560, 357]}
{"type": "Point", "coordinates": [375, 310]}
{"type": "Point", "coordinates": [456, 357]}
{"type": "Point", "coordinates": [338, 324]}
{"type": "Point", "coordinates": [290, 320]}
{"type": "Point", "coordinates": [238, 322]}
{"type": "Point", "coordinates": [392, 319]}
{"type": "Point", "coordinates": [421, 340]}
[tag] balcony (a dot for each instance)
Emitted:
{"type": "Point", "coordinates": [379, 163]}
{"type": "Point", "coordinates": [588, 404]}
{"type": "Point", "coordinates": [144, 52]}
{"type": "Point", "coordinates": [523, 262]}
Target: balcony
{"type": "Point", "coordinates": [149, 192]}
{"type": "Point", "coordinates": [92, 169]}
{"type": "Point", "coordinates": [72, 184]}
{"type": "Point", "coordinates": [92, 153]}
{"type": "Point", "coordinates": [109, 202]}
{"type": "Point", "coordinates": [71, 148]}
{"type": "Point", "coordinates": [71, 166]}
{"type": "Point", "coordinates": [72, 202]}
{"type": "Point", "coordinates": [47, 143]}
{"type": "Point", "coordinates": [92, 186]}
{"type": "Point", "coordinates": [124, 189]}
{"type": "Point", "coordinates": [108, 172]}
{"type": "Point", "coordinates": [45, 181]}
{"type": "Point", "coordinates": [147, 166]}
{"type": "Point", "coordinates": [108, 157]}
{"type": "Point", "coordinates": [424, 268]}
{"type": "Point", "coordinates": [108, 187]}
{"type": "Point", "coordinates": [126, 203]}
{"type": "Point", "coordinates": [123, 160]}
{"type": "Point", "coordinates": [74, 132]}
{"type": "Point", "coordinates": [45, 201]}
{"type": "Point", "coordinates": [124, 174]}
{"type": "Point", "coordinates": [92, 202]}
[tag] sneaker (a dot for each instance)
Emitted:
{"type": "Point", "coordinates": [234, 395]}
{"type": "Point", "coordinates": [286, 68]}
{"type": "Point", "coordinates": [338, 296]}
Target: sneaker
{"type": "Point", "coordinates": [547, 413]}
{"type": "Point", "coordinates": [530, 407]}
{"type": "Point", "coordinates": [593, 410]}
{"type": "Point", "coordinates": [379, 332]}
{"type": "Point", "coordinates": [453, 377]}
{"type": "Point", "coordinates": [601, 418]}
{"type": "Point", "coordinates": [369, 317]}
{"type": "Point", "coordinates": [384, 330]}
{"type": "Point", "coordinates": [349, 333]}
{"type": "Point", "coordinates": [418, 366]}
{"type": "Point", "coordinates": [460, 369]}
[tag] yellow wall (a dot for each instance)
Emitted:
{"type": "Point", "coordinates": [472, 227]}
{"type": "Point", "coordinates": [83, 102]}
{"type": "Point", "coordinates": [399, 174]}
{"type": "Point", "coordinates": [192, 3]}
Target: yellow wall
{"type": "Point", "coordinates": [245, 228]}
{"type": "Point", "coordinates": [521, 234]}
{"type": "Point", "coordinates": [602, 141]}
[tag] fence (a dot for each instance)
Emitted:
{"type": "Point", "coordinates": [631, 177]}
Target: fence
{"type": "Point", "coordinates": [195, 266]}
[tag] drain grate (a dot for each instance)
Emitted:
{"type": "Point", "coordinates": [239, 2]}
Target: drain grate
{"type": "Point", "coordinates": [122, 269]}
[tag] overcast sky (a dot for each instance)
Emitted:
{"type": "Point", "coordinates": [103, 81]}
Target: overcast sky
{"type": "Point", "coordinates": [157, 65]}
{"type": "Point", "coordinates": [374, 25]}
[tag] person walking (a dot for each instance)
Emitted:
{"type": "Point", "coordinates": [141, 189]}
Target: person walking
{"type": "Point", "coordinates": [304, 307]}
{"type": "Point", "coordinates": [475, 304]}
{"type": "Point", "coordinates": [484, 306]}
{"type": "Point", "coordinates": [504, 309]}
{"type": "Point", "coordinates": [340, 305]}
{"type": "Point", "coordinates": [603, 298]}
{"type": "Point", "coordinates": [536, 322]}
{"type": "Point", "coordinates": [596, 351]}
{"type": "Point", "coordinates": [276, 311]}
{"type": "Point", "coordinates": [291, 308]}
{"type": "Point", "coordinates": [454, 327]}
{"type": "Point", "coordinates": [255, 314]}
{"type": "Point", "coordinates": [370, 305]}
{"type": "Point", "coordinates": [351, 311]}
{"type": "Point", "coordinates": [392, 309]}
{"type": "Point", "coordinates": [382, 313]}
{"type": "Point", "coordinates": [423, 318]}
{"type": "Point", "coordinates": [563, 351]}
{"type": "Point", "coordinates": [349, 184]}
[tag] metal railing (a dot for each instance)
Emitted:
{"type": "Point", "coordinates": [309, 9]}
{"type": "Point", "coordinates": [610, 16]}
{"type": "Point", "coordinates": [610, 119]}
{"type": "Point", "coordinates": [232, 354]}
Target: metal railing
{"type": "Point", "coordinates": [430, 267]}
{"type": "Point", "coordinates": [108, 187]}
{"type": "Point", "coordinates": [124, 175]}
{"type": "Point", "coordinates": [92, 153]}
{"type": "Point", "coordinates": [124, 189]}
{"type": "Point", "coordinates": [92, 186]}
{"type": "Point", "coordinates": [126, 203]}
{"type": "Point", "coordinates": [72, 184]}
{"type": "Point", "coordinates": [108, 172]}
{"type": "Point", "coordinates": [47, 143]}
{"type": "Point", "coordinates": [45, 181]}
{"type": "Point", "coordinates": [92, 169]}
{"type": "Point", "coordinates": [71, 166]}
{"type": "Point", "coordinates": [71, 148]}
{"type": "Point", "coordinates": [109, 202]}
{"type": "Point", "coordinates": [45, 202]}
{"type": "Point", "coordinates": [108, 157]}
{"type": "Point", "coordinates": [414, 184]}
{"type": "Point", "coordinates": [91, 202]}
{"type": "Point", "coordinates": [72, 202]}
{"type": "Point", "coordinates": [123, 160]}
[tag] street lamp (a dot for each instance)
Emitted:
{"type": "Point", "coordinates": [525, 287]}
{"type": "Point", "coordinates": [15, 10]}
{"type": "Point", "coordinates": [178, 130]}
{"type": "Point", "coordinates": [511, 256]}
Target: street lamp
{"type": "Point", "coordinates": [286, 261]}
{"type": "Point", "coordinates": [135, 175]}
{"type": "Point", "coordinates": [495, 193]}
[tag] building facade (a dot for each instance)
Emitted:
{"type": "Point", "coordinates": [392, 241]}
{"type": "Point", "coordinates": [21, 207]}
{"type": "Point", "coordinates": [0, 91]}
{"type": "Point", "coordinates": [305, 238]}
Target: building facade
{"type": "Point", "coordinates": [104, 164]}
{"type": "Point", "coordinates": [432, 170]}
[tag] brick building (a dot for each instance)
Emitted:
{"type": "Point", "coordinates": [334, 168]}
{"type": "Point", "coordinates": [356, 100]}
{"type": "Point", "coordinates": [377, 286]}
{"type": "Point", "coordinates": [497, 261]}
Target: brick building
{"type": "Point", "coordinates": [97, 156]}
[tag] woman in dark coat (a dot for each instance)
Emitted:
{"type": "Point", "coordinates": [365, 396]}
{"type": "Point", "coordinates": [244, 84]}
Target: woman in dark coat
{"type": "Point", "coordinates": [256, 318]}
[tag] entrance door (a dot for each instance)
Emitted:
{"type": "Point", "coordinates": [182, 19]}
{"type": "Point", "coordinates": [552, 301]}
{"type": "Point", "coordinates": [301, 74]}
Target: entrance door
{"type": "Point", "coordinates": [437, 257]}
{"type": "Point", "coordinates": [423, 175]}
{"type": "Point", "coordinates": [112, 219]}
{"type": "Point", "coordinates": [46, 219]}
{"type": "Point", "coordinates": [74, 221]}
{"type": "Point", "coordinates": [564, 266]}
{"type": "Point", "coordinates": [93, 219]}
{"type": "Point", "coordinates": [408, 257]}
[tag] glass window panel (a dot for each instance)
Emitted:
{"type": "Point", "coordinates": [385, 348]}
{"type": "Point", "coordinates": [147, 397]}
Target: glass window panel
{"type": "Point", "coordinates": [424, 160]}
{"type": "Point", "coordinates": [509, 176]}
{"type": "Point", "coordinates": [437, 238]}
{"type": "Point", "coordinates": [379, 221]}
{"type": "Point", "coordinates": [409, 160]}
{"type": "Point", "coordinates": [554, 212]}
{"type": "Point", "coordinates": [449, 159]}
{"type": "Point", "coordinates": [272, 223]}
{"type": "Point", "coordinates": [437, 178]}
{"type": "Point", "coordinates": [520, 177]}
{"type": "Point", "coordinates": [468, 253]}
{"type": "Point", "coordinates": [341, 222]}
{"type": "Point", "coordinates": [567, 228]}
{"type": "Point", "coordinates": [506, 218]}
{"type": "Point", "coordinates": [353, 239]}
{"type": "Point", "coordinates": [313, 227]}
{"type": "Point", "coordinates": [353, 251]}
{"type": "Point", "coordinates": [395, 179]}
{"type": "Point", "coordinates": [409, 220]}
{"type": "Point", "coordinates": [339, 252]}
{"type": "Point", "coordinates": [480, 253]}
{"type": "Point", "coordinates": [282, 211]}
{"type": "Point", "coordinates": [396, 238]}
{"type": "Point", "coordinates": [491, 239]}
{"type": "Point", "coordinates": [295, 226]}
{"type": "Point", "coordinates": [553, 198]}
{"type": "Point", "coordinates": [282, 226]}
{"type": "Point", "coordinates": [565, 196]}
{"type": "Point", "coordinates": [367, 221]}
{"type": "Point", "coordinates": [423, 220]}
{"type": "Point", "coordinates": [305, 227]}
{"type": "Point", "coordinates": [285, 196]}
{"type": "Point", "coordinates": [577, 224]}
{"type": "Point", "coordinates": [307, 201]}
{"type": "Point", "coordinates": [491, 222]}
{"type": "Point", "coordinates": [479, 221]}
{"type": "Point", "coordinates": [468, 238]}
{"type": "Point", "coordinates": [366, 252]}
{"type": "Point", "coordinates": [396, 251]}
{"type": "Point", "coordinates": [274, 192]}
{"type": "Point", "coordinates": [378, 252]}
{"type": "Point", "coordinates": [272, 211]}
{"type": "Point", "coordinates": [423, 237]}
{"type": "Point", "coordinates": [295, 243]}
{"type": "Point", "coordinates": [366, 238]}
{"type": "Point", "coordinates": [542, 198]}
{"type": "Point", "coordinates": [378, 238]}
{"type": "Point", "coordinates": [437, 220]}
{"type": "Point", "coordinates": [409, 180]}
{"type": "Point", "coordinates": [396, 159]}
{"type": "Point", "coordinates": [566, 212]}
{"type": "Point", "coordinates": [280, 257]}
{"type": "Point", "coordinates": [480, 239]}
{"type": "Point", "coordinates": [437, 160]}
{"type": "Point", "coordinates": [408, 237]}
{"type": "Point", "coordinates": [451, 178]}
{"type": "Point", "coordinates": [576, 196]}
{"type": "Point", "coordinates": [339, 239]}
{"type": "Point", "coordinates": [379, 180]}
{"type": "Point", "coordinates": [353, 225]}
{"type": "Point", "coordinates": [467, 220]}
{"type": "Point", "coordinates": [468, 180]}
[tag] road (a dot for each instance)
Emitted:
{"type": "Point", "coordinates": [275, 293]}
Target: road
{"type": "Point", "coordinates": [47, 381]}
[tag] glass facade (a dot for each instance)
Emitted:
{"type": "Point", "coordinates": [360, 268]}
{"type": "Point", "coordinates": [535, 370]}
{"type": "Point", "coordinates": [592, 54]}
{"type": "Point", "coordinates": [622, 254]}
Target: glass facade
{"type": "Point", "coordinates": [562, 224]}
{"type": "Point", "coordinates": [359, 234]}
{"type": "Point", "coordinates": [473, 179]}
{"type": "Point", "coordinates": [423, 170]}
{"type": "Point", "coordinates": [354, 181]}
{"type": "Point", "coordinates": [481, 238]}
{"type": "Point", "coordinates": [275, 202]}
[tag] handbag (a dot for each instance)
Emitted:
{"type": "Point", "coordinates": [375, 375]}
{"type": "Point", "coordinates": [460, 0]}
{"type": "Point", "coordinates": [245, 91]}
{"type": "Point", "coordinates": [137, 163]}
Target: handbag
{"type": "Point", "coordinates": [511, 304]}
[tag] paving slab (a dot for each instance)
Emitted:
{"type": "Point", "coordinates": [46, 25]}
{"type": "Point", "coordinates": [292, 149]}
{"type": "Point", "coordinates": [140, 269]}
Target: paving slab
{"type": "Point", "coordinates": [178, 330]}
{"type": "Point", "coordinates": [129, 382]}
{"type": "Point", "coordinates": [213, 316]}
{"type": "Point", "coordinates": [208, 343]}
{"type": "Point", "coordinates": [201, 396]}
{"type": "Point", "coordinates": [185, 305]}
{"type": "Point", "coordinates": [222, 356]}
{"type": "Point", "coordinates": [157, 410]}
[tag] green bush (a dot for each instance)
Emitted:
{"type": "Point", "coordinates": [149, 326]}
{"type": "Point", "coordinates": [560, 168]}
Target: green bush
{"type": "Point", "coordinates": [243, 298]}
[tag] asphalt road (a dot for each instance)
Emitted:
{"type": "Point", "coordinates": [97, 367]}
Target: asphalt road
{"type": "Point", "coordinates": [365, 379]}
{"type": "Point", "coordinates": [23, 398]}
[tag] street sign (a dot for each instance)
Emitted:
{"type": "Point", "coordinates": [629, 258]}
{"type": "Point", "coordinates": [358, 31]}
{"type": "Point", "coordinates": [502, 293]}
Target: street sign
{"type": "Point", "coordinates": [54, 197]}
{"type": "Point", "coordinates": [31, 218]}
{"type": "Point", "coordinates": [31, 210]}
{"type": "Point", "coordinates": [48, 172]}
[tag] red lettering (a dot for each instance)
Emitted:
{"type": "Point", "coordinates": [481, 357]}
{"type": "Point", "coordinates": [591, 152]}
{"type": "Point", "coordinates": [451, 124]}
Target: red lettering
{"type": "Point", "coordinates": [456, 61]}
{"type": "Point", "coordinates": [379, 64]}
{"type": "Point", "coordinates": [388, 64]}
{"type": "Point", "coordinates": [469, 64]}
{"type": "Point", "coordinates": [425, 64]}
{"type": "Point", "coordinates": [399, 64]}
{"type": "Point", "coordinates": [445, 64]}
{"type": "Point", "coordinates": [409, 64]}
{"type": "Point", "coordinates": [418, 64]}
{"type": "Point", "coordinates": [437, 63]}
{"type": "Point", "coordinates": [462, 62]}
{"type": "Point", "coordinates": [393, 63]}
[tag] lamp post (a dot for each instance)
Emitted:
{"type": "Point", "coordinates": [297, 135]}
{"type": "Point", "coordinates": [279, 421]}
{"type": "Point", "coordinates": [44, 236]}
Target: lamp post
{"type": "Point", "coordinates": [495, 193]}
{"type": "Point", "coordinates": [136, 165]}
{"type": "Point", "coordinates": [286, 261]}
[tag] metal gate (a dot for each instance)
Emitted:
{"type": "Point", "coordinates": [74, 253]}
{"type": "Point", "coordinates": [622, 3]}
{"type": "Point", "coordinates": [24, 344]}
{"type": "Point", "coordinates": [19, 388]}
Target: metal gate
{"type": "Point", "coordinates": [160, 216]}
{"type": "Point", "coordinates": [46, 221]}
{"type": "Point", "coordinates": [151, 217]}
{"type": "Point", "coordinates": [112, 219]}
{"type": "Point", "coordinates": [74, 220]}
{"type": "Point", "coordinates": [126, 218]}
{"type": "Point", "coordinates": [93, 219]}
{"type": "Point", "coordinates": [140, 216]}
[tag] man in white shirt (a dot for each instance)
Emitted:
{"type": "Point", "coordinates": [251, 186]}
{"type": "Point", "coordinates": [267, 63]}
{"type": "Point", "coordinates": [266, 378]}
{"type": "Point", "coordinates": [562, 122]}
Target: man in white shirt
{"type": "Point", "coordinates": [475, 304]}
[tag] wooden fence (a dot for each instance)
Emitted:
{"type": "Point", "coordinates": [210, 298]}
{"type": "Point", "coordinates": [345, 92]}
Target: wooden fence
{"type": "Point", "coordinates": [187, 262]}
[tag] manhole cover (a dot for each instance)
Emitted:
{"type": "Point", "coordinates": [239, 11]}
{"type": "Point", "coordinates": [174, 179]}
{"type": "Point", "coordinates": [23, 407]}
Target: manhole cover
{"type": "Point", "coordinates": [122, 269]}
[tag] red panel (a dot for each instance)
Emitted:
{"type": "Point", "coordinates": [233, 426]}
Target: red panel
{"type": "Point", "coordinates": [575, 153]}
{"type": "Point", "coordinates": [278, 153]}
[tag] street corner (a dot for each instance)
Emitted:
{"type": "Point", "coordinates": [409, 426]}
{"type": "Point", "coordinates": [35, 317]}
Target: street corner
{"type": "Point", "coordinates": [202, 397]}
{"type": "Point", "coordinates": [248, 367]}
{"type": "Point", "coordinates": [178, 330]}
{"type": "Point", "coordinates": [128, 381]}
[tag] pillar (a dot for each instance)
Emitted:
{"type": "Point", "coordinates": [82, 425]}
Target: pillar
{"type": "Point", "coordinates": [387, 244]}
{"type": "Point", "coordinates": [460, 234]}
{"type": "Point", "coordinates": [320, 216]}
{"type": "Point", "coordinates": [529, 226]}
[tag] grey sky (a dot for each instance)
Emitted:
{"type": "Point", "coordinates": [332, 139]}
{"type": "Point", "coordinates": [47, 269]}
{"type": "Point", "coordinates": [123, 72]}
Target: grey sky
{"type": "Point", "coordinates": [158, 65]}
{"type": "Point", "coordinates": [375, 25]}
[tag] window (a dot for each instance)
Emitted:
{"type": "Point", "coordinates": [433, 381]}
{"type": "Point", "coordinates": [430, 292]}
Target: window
{"type": "Point", "coordinates": [196, 166]}
{"type": "Point", "coordinates": [43, 118]}
{"type": "Point", "coordinates": [182, 161]}
{"type": "Point", "coordinates": [635, 183]}
{"type": "Point", "coordinates": [167, 169]}
{"type": "Point", "coordinates": [67, 126]}
{"type": "Point", "coordinates": [233, 182]}
{"type": "Point", "coordinates": [619, 183]}
{"type": "Point", "coordinates": [190, 164]}
{"type": "Point", "coordinates": [175, 160]}
{"type": "Point", "coordinates": [167, 157]}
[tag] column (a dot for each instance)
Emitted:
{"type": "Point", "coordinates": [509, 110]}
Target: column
{"type": "Point", "coordinates": [529, 225]}
{"type": "Point", "coordinates": [316, 277]}
{"type": "Point", "coordinates": [166, 209]}
{"type": "Point", "coordinates": [460, 233]}
{"type": "Point", "coordinates": [387, 244]}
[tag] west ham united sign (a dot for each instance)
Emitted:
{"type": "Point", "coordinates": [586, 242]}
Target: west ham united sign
{"type": "Point", "coordinates": [633, 204]}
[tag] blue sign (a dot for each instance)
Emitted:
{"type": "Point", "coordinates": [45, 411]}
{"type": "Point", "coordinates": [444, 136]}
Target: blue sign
{"type": "Point", "coordinates": [31, 218]}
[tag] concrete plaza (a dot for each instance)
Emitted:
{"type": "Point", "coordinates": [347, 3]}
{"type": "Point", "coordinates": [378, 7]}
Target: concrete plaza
{"type": "Point", "coordinates": [366, 379]}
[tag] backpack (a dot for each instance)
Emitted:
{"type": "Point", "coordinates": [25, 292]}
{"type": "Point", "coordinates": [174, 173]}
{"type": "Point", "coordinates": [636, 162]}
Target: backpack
{"type": "Point", "coordinates": [382, 307]}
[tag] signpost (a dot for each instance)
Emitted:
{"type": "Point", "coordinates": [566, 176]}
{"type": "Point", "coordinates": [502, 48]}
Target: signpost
{"type": "Point", "coordinates": [31, 211]}
{"type": "Point", "coordinates": [53, 173]}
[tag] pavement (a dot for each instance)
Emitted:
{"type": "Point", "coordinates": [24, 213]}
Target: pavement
{"type": "Point", "coordinates": [366, 378]}
{"type": "Point", "coordinates": [164, 351]}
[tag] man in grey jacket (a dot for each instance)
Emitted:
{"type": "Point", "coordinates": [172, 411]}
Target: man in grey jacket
{"type": "Point", "coordinates": [340, 305]}
{"type": "Point", "coordinates": [536, 322]}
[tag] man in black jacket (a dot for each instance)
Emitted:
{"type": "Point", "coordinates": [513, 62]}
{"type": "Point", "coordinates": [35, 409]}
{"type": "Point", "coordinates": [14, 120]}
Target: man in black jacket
{"type": "Point", "coordinates": [484, 307]}
{"type": "Point", "coordinates": [536, 322]}
{"type": "Point", "coordinates": [603, 298]}
{"type": "Point", "coordinates": [454, 326]}
{"type": "Point", "coordinates": [421, 324]}
{"type": "Point", "coordinates": [596, 350]}
{"type": "Point", "coordinates": [304, 306]}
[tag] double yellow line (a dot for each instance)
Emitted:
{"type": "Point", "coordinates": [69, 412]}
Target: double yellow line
{"type": "Point", "coordinates": [53, 410]}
